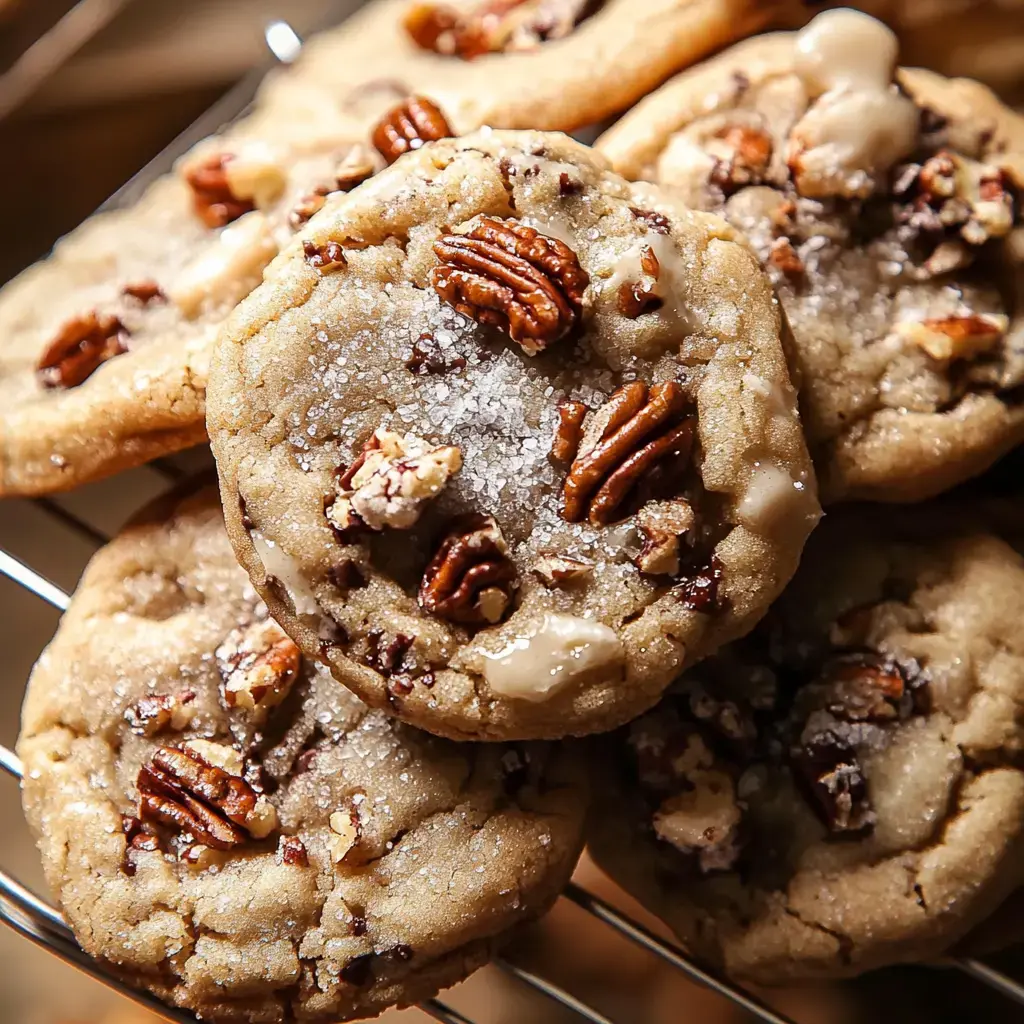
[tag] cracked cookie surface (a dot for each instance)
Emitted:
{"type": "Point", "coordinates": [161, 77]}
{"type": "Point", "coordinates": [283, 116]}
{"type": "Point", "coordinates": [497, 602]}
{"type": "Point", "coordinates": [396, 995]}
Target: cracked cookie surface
{"type": "Point", "coordinates": [886, 205]}
{"type": "Point", "coordinates": [238, 833]}
{"type": "Point", "coordinates": [522, 450]}
{"type": "Point", "coordinates": [841, 790]}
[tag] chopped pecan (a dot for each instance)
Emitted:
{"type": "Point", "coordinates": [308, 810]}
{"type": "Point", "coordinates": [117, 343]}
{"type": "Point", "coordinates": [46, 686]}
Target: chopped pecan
{"type": "Point", "coordinates": [324, 257]}
{"type": "Point", "coordinates": [699, 593]}
{"type": "Point", "coordinates": [212, 195]}
{"type": "Point", "coordinates": [470, 577]}
{"type": "Point", "coordinates": [784, 257]}
{"type": "Point", "coordinates": [742, 154]}
{"type": "Point", "coordinates": [308, 206]}
{"type": "Point", "coordinates": [390, 482]}
{"type": "Point", "coordinates": [356, 168]}
{"type": "Point", "coordinates": [512, 277]}
{"type": "Point", "coordinates": [139, 838]}
{"type": "Point", "coordinates": [184, 790]}
{"type": "Point", "coordinates": [632, 432]}
{"type": "Point", "coordinates": [863, 686]}
{"type": "Point", "coordinates": [703, 820]}
{"type": "Point", "coordinates": [390, 657]}
{"type": "Point", "coordinates": [292, 851]}
{"type": "Point", "coordinates": [144, 292]}
{"type": "Point", "coordinates": [828, 768]}
{"type": "Point", "coordinates": [662, 525]}
{"type": "Point", "coordinates": [555, 570]}
{"type": "Point", "coordinates": [83, 343]}
{"type": "Point", "coordinates": [639, 297]}
{"type": "Point", "coordinates": [408, 126]}
{"type": "Point", "coordinates": [956, 337]}
{"type": "Point", "coordinates": [491, 26]}
{"type": "Point", "coordinates": [258, 665]}
{"type": "Point", "coordinates": [345, 833]}
{"type": "Point", "coordinates": [570, 431]}
{"type": "Point", "coordinates": [159, 712]}
{"type": "Point", "coordinates": [427, 356]}
{"type": "Point", "coordinates": [656, 222]}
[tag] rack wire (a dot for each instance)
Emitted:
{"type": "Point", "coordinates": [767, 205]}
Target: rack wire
{"type": "Point", "coordinates": [42, 924]}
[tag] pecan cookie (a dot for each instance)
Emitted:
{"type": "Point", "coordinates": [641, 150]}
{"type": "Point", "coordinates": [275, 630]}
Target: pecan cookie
{"type": "Point", "coordinates": [239, 834]}
{"type": "Point", "coordinates": [521, 63]}
{"type": "Point", "coordinates": [889, 216]}
{"type": "Point", "coordinates": [107, 341]}
{"type": "Point", "coordinates": [507, 441]}
{"type": "Point", "coordinates": [842, 789]}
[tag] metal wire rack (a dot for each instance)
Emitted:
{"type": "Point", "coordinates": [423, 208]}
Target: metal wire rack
{"type": "Point", "coordinates": [33, 918]}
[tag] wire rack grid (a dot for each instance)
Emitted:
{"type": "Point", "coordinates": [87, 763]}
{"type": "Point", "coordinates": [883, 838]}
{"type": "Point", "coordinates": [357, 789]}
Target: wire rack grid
{"type": "Point", "coordinates": [36, 920]}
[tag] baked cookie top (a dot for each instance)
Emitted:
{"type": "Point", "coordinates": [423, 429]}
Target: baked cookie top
{"type": "Point", "coordinates": [887, 210]}
{"type": "Point", "coordinates": [521, 63]}
{"type": "Point", "coordinates": [237, 832]}
{"type": "Point", "coordinates": [107, 341]}
{"type": "Point", "coordinates": [842, 789]}
{"type": "Point", "coordinates": [507, 441]}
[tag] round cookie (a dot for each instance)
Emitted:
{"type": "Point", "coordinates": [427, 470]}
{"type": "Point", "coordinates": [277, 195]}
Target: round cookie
{"type": "Point", "coordinates": [889, 216]}
{"type": "Point", "coordinates": [842, 789]}
{"type": "Point", "coordinates": [507, 441]}
{"type": "Point", "coordinates": [521, 63]}
{"type": "Point", "coordinates": [238, 833]}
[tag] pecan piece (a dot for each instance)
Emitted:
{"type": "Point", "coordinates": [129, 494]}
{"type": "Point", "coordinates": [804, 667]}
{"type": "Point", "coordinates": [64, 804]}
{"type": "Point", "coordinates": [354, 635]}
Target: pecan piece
{"type": "Point", "coordinates": [184, 790]}
{"type": "Point", "coordinates": [356, 168]}
{"type": "Point", "coordinates": [390, 482]}
{"type": "Point", "coordinates": [742, 154]}
{"type": "Point", "coordinates": [632, 432]}
{"type": "Point", "coordinates": [83, 343]}
{"type": "Point", "coordinates": [492, 26]}
{"type": "Point", "coordinates": [139, 838]}
{"type": "Point", "coordinates": [144, 292]}
{"type": "Point", "coordinates": [344, 834]}
{"type": "Point", "coordinates": [830, 772]}
{"type": "Point", "coordinates": [639, 297]}
{"type": "Point", "coordinates": [512, 277]}
{"type": "Point", "coordinates": [162, 711]}
{"type": "Point", "coordinates": [470, 577]}
{"type": "Point", "coordinates": [555, 570]}
{"type": "Point", "coordinates": [570, 431]}
{"type": "Point", "coordinates": [956, 337]}
{"type": "Point", "coordinates": [785, 258]}
{"type": "Point", "coordinates": [212, 197]}
{"type": "Point", "coordinates": [408, 126]}
{"type": "Point", "coordinates": [258, 665]}
{"type": "Point", "coordinates": [324, 257]}
{"type": "Point", "coordinates": [292, 851]}
{"type": "Point", "coordinates": [662, 525]}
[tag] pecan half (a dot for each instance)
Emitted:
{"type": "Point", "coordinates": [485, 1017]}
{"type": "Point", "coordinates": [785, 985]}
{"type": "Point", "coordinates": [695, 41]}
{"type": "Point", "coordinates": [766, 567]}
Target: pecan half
{"type": "Point", "coordinates": [662, 524]}
{"type": "Point", "coordinates": [83, 344]}
{"type": "Point", "coordinates": [258, 665]}
{"type": "Point", "coordinates": [160, 712]}
{"type": "Point", "coordinates": [408, 126]}
{"type": "Point", "coordinates": [742, 154]}
{"type": "Point", "coordinates": [633, 431]}
{"type": "Point", "coordinates": [512, 277]}
{"type": "Point", "coordinates": [469, 579]}
{"type": "Point", "coordinates": [956, 337]}
{"type": "Point", "coordinates": [212, 197]}
{"type": "Point", "coordinates": [390, 482]}
{"type": "Point", "coordinates": [492, 26]}
{"type": "Point", "coordinates": [183, 790]}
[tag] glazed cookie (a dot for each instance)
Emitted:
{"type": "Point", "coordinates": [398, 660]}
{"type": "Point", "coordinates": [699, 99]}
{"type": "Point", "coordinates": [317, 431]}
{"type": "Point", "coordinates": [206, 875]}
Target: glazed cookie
{"type": "Point", "coordinates": [841, 790]}
{"type": "Point", "coordinates": [507, 441]}
{"type": "Point", "coordinates": [107, 342]}
{"type": "Point", "coordinates": [521, 63]}
{"type": "Point", "coordinates": [239, 834]}
{"type": "Point", "coordinates": [889, 217]}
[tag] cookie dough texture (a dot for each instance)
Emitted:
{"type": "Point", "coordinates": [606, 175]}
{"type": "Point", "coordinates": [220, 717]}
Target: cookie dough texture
{"type": "Point", "coordinates": [858, 758]}
{"type": "Point", "coordinates": [903, 292]}
{"type": "Point", "coordinates": [316, 361]}
{"type": "Point", "coordinates": [449, 846]}
{"type": "Point", "coordinates": [628, 47]}
{"type": "Point", "coordinates": [149, 400]}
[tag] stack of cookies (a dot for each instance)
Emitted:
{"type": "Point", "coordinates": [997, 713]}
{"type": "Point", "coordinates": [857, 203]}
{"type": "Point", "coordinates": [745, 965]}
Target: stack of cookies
{"type": "Point", "coordinates": [519, 442]}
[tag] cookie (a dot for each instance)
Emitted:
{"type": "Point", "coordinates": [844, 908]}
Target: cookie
{"type": "Point", "coordinates": [841, 790]}
{"type": "Point", "coordinates": [107, 341]}
{"type": "Point", "coordinates": [507, 441]}
{"type": "Point", "coordinates": [240, 835]}
{"type": "Point", "coordinates": [889, 216]}
{"type": "Point", "coordinates": [521, 63]}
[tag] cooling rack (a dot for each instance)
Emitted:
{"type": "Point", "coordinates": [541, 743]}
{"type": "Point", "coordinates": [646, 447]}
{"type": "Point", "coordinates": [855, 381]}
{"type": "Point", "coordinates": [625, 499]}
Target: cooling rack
{"type": "Point", "coordinates": [33, 918]}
